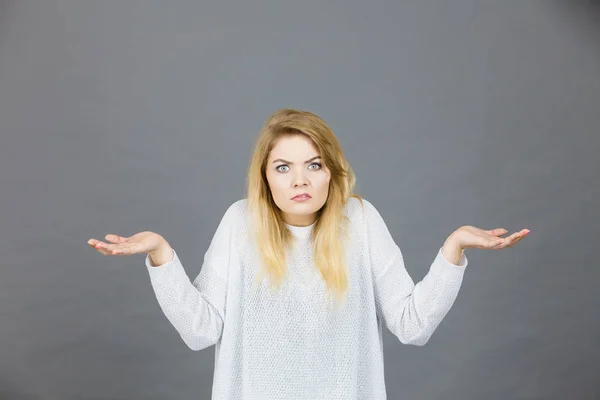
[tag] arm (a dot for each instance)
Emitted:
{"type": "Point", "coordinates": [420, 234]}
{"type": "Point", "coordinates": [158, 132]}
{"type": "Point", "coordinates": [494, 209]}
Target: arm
{"type": "Point", "coordinates": [196, 310]}
{"type": "Point", "coordinates": [411, 312]}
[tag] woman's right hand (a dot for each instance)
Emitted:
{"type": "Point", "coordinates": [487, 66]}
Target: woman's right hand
{"type": "Point", "coordinates": [142, 242]}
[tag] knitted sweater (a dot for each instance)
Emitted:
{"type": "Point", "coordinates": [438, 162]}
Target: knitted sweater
{"type": "Point", "coordinates": [289, 344]}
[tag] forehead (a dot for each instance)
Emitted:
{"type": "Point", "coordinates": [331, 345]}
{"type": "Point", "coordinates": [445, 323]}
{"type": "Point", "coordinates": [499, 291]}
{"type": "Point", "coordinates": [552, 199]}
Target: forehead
{"type": "Point", "coordinates": [295, 146]}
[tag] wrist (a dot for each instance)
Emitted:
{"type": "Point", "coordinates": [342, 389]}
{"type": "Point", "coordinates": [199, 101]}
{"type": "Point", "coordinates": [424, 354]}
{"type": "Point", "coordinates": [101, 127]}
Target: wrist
{"type": "Point", "coordinates": [162, 254]}
{"type": "Point", "coordinates": [160, 247]}
{"type": "Point", "coordinates": [452, 250]}
{"type": "Point", "coordinates": [450, 242]}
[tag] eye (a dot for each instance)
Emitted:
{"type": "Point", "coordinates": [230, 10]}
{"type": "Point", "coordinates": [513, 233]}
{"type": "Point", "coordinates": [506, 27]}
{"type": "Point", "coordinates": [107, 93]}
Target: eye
{"type": "Point", "coordinates": [285, 165]}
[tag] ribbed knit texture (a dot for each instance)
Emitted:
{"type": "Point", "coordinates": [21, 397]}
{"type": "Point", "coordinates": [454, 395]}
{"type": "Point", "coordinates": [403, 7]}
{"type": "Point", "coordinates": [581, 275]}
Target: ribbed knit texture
{"type": "Point", "coordinates": [290, 344]}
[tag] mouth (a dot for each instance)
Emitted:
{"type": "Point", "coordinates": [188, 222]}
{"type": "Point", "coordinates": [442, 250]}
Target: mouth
{"type": "Point", "coordinates": [303, 196]}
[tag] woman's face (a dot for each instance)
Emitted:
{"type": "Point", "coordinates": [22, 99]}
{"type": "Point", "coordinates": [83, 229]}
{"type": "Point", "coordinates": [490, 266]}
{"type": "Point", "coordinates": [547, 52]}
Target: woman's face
{"type": "Point", "coordinates": [294, 167]}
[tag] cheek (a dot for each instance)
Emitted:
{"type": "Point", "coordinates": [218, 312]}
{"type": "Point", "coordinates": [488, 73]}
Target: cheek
{"type": "Point", "coordinates": [322, 184]}
{"type": "Point", "coordinates": [278, 184]}
{"type": "Point", "coordinates": [324, 180]}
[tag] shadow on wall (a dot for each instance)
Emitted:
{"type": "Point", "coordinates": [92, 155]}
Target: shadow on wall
{"type": "Point", "coordinates": [586, 12]}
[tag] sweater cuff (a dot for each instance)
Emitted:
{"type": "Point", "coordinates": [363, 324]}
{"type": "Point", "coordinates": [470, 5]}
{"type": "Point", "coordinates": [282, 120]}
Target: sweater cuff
{"type": "Point", "coordinates": [444, 268]}
{"type": "Point", "coordinates": [170, 271]}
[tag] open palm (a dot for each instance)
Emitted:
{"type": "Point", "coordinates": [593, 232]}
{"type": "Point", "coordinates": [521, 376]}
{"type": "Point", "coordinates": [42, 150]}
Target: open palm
{"type": "Point", "coordinates": [142, 242]}
{"type": "Point", "coordinates": [472, 237]}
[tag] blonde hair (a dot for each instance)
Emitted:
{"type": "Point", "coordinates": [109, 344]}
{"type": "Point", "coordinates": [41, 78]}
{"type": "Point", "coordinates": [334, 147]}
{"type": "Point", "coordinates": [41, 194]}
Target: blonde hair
{"type": "Point", "coordinates": [331, 229]}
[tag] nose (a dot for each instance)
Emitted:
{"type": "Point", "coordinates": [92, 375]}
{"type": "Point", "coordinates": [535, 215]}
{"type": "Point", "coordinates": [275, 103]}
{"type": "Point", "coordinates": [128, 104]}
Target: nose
{"type": "Point", "coordinates": [299, 179]}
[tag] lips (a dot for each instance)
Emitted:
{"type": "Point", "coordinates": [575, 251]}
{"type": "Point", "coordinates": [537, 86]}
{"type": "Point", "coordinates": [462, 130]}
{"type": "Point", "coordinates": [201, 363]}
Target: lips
{"type": "Point", "coordinates": [302, 196]}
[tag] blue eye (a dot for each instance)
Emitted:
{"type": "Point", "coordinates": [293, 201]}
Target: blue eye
{"type": "Point", "coordinates": [285, 165]}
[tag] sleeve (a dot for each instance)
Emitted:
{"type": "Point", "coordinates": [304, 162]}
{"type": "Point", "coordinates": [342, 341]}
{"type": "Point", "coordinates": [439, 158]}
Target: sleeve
{"type": "Point", "coordinates": [197, 310]}
{"type": "Point", "coordinates": [411, 312]}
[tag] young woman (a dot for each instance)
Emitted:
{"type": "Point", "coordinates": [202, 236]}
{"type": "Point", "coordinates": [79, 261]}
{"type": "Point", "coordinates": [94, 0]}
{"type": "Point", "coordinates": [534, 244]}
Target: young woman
{"type": "Point", "coordinates": [300, 276]}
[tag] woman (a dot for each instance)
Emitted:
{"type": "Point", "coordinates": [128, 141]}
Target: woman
{"type": "Point", "coordinates": [300, 276]}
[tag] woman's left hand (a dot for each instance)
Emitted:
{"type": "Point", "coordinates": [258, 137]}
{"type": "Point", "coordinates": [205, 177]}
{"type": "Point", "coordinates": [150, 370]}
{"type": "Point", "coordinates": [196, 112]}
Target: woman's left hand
{"type": "Point", "coordinates": [472, 237]}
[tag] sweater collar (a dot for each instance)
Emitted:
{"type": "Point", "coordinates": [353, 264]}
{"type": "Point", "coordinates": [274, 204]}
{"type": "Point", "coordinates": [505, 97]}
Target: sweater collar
{"type": "Point", "coordinates": [301, 232]}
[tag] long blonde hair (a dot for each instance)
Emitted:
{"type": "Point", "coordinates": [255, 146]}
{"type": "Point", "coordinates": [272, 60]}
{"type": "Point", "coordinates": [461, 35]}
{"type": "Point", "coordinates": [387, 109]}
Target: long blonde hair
{"type": "Point", "coordinates": [331, 229]}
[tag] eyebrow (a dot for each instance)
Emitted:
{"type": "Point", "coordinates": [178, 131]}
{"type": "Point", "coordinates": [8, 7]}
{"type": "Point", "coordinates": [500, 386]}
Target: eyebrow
{"type": "Point", "coordinates": [289, 162]}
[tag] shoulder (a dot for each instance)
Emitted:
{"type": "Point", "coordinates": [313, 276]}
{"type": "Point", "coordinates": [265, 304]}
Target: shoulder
{"type": "Point", "coordinates": [233, 217]}
{"type": "Point", "coordinates": [238, 206]}
{"type": "Point", "coordinates": [233, 224]}
{"type": "Point", "coordinates": [359, 208]}
{"type": "Point", "coordinates": [366, 215]}
{"type": "Point", "coordinates": [236, 212]}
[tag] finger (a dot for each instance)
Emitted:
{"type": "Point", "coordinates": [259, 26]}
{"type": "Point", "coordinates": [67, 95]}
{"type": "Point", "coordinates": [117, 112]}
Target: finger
{"type": "Point", "coordinates": [513, 239]}
{"type": "Point", "coordinates": [491, 242]}
{"type": "Point", "coordinates": [99, 247]}
{"type": "Point", "coordinates": [105, 246]}
{"type": "Point", "coordinates": [126, 249]}
{"type": "Point", "coordinates": [498, 245]}
{"type": "Point", "coordinates": [506, 242]}
{"type": "Point", "coordinates": [94, 244]}
{"type": "Point", "coordinates": [123, 250]}
{"type": "Point", "coordinates": [103, 252]}
{"type": "Point", "coordinates": [517, 239]}
{"type": "Point", "coordinates": [112, 249]}
{"type": "Point", "coordinates": [516, 235]}
{"type": "Point", "coordinates": [496, 232]}
{"type": "Point", "coordinates": [520, 233]}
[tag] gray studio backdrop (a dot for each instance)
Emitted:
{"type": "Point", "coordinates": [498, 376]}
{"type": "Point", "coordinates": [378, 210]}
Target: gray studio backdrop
{"type": "Point", "coordinates": [122, 116]}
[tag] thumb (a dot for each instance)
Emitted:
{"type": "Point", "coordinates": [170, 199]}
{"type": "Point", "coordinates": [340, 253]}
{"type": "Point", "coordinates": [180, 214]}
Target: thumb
{"type": "Point", "coordinates": [115, 238]}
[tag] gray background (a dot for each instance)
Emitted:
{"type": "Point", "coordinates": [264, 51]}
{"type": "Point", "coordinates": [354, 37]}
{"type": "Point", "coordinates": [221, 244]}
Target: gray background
{"type": "Point", "coordinates": [122, 116]}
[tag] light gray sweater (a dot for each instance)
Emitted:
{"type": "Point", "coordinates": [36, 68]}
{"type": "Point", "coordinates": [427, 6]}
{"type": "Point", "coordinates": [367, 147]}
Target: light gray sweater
{"type": "Point", "coordinates": [289, 344]}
